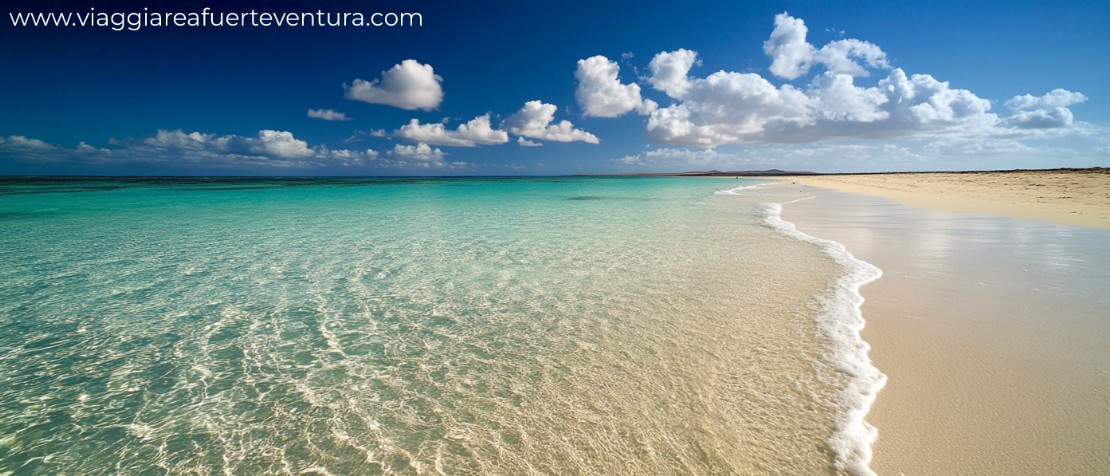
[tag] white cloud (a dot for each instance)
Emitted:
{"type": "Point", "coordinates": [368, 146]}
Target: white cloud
{"type": "Point", "coordinates": [421, 152]}
{"type": "Point", "coordinates": [1042, 118]}
{"type": "Point", "coordinates": [349, 158]}
{"type": "Point", "coordinates": [728, 107]}
{"type": "Point", "coordinates": [835, 97]}
{"type": "Point", "coordinates": [1054, 98]}
{"type": "Point", "coordinates": [534, 121]}
{"type": "Point", "coordinates": [85, 148]}
{"type": "Point", "coordinates": [1044, 112]}
{"type": "Point", "coordinates": [631, 160]}
{"type": "Point", "coordinates": [669, 70]}
{"type": "Point", "coordinates": [193, 141]}
{"type": "Point", "coordinates": [280, 144]}
{"type": "Point", "coordinates": [918, 106]}
{"type": "Point", "coordinates": [792, 56]}
{"type": "Point", "coordinates": [27, 149]}
{"type": "Point", "coordinates": [475, 132]}
{"type": "Point", "coordinates": [600, 92]}
{"type": "Point", "coordinates": [271, 149]}
{"type": "Point", "coordinates": [838, 56]}
{"type": "Point", "coordinates": [925, 100]}
{"type": "Point", "coordinates": [421, 156]}
{"type": "Point", "coordinates": [409, 85]}
{"type": "Point", "coordinates": [327, 115]}
{"type": "Point", "coordinates": [527, 143]}
{"type": "Point", "coordinates": [23, 142]}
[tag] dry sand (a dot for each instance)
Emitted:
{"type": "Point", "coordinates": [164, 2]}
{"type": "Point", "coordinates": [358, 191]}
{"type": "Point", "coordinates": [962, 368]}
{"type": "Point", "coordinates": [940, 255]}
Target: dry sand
{"type": "Point", "coordinates": [1069, 196]}
{"type": "Point", "coordinates": [993, 332]}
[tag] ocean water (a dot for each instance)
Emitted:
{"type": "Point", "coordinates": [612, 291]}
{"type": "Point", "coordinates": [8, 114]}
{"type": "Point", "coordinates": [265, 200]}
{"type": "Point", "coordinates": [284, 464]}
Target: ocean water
{"type": "Point", "coordinates": [422, 326]}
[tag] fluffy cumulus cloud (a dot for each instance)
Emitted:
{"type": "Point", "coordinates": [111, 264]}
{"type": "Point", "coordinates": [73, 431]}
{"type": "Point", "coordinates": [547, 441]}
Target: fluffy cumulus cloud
{"type": "Point", "coordinates": [1054, 98]}
{"type": "Point", "coordinates": [844, 57]}
{"type": "Point", "coordinates": [669, 72]}
{"type": "Point", "coordinates": [744, 107]}
{"type": "Point", "coordinates": [473, 133]}
{"type": "Point", "coordinates": [1044, 112]}
{"type": "Point", "coordinates": [730, 107]}
{"type": "Point", "coordinates": [921, 101]}
{"type": "Point", "coordinates": [327, 115]}
{"type": "Point", "coordinates": [536, 120]}
{"type": "Point", "coordinates": [178, 139]}
{"type": "Point", "coordinates": [421, 156]}
{"type": "Point", "coordinates": [280, 144]}
{"type": "Point", "coordinates": [790, 53]}
{"type": "Point", "coordinates": [270, 149]}
{"type": "Point", "coordinates": [527, 143]}
{"type": "Point", "coordinates": [409, 85]}
{"type": "Point", "coordinates": [835, 97]}
{"type": "Point", "coordinates": [422, 152]}
{"type": "Point", "coordinates": [792, 56]}
{"type": "Point", "coordinates": [1042, 118]}
{"type": "Point", "coordinates": [600, 92]}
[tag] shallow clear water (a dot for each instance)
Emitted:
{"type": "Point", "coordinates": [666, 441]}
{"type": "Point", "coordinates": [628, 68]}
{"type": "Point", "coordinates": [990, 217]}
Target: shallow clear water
{"type": "Point", "coordinates": [526, 325]}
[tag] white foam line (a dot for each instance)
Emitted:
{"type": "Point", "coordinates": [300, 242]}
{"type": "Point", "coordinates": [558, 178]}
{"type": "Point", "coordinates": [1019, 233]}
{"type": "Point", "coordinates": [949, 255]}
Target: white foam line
{"type": "Point", "coordinates": [843, 321]}
{"type": "Point", "coordinates": [737, 190]}
{"type": "Point", "coordinates": [798, 200]}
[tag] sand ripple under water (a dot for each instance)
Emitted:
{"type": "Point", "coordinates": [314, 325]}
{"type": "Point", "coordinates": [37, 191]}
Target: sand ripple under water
{"type": "Point", "coordinates": [451, 326]}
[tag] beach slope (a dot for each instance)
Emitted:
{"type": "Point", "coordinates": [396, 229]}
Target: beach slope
{"type": "Point", "coordinates": [1068, 196]}
{"type": "Point", "coordinates": [992, 331]}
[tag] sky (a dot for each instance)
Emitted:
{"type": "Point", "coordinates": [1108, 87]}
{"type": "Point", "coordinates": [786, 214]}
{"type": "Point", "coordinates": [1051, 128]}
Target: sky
{"type": "Point", "coordinates": [555, 88]}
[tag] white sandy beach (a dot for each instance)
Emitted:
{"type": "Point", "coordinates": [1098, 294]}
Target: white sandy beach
{"type": "Point", "coordinates": [992, 331]}
{"type": "Point", "coordinates": [1073, 197]}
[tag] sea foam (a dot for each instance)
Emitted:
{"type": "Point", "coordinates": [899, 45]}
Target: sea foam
{"type": "Point", "coordinates": [842, 320]}
{"type": "Point", "coordinates": [740, 189]}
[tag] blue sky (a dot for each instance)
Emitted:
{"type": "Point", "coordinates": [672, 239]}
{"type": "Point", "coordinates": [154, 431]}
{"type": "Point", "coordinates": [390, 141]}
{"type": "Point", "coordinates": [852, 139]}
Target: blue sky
{"type": "Point", "coordinates": [511, 88]}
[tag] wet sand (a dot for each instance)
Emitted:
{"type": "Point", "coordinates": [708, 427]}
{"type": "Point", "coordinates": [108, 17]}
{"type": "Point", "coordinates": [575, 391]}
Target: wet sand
{"type": "Point", "coordinates": [993, 332]}
{"type": "Point", "coordinates": [1069, 196]}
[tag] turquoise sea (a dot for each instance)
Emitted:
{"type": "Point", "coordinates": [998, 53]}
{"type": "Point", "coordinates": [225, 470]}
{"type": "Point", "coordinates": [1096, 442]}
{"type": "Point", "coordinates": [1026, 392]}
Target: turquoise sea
{"type": "Point", "coordinates": [417, 326]}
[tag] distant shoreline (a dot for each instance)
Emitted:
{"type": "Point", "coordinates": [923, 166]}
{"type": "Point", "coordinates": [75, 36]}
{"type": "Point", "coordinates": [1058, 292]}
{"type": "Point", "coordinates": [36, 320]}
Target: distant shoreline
{"type": "Point", "coordinates": [787, 173]}
{"type": "Point", "coordinates": [1078, 197]}
{"type": "Point", "coordinates": [1069, 196]}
